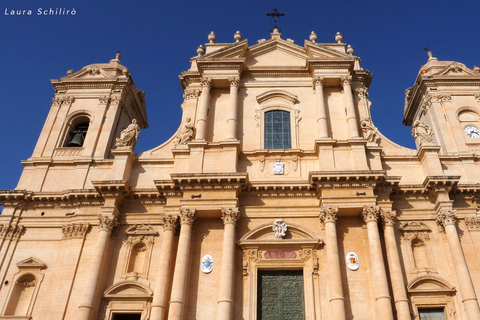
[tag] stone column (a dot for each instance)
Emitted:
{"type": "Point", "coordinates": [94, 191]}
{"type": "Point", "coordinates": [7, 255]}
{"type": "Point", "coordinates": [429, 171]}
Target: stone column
{"type": "Point", "coordinates": [402, 305]}
{"type": "Point", "coordinates": [227, 279]}
{"type": "Point", "coordinates": [107, 223]}
{"type": "Point", "coordinates": [232, 112]}
{"type": "Point", "coordinates": [203, 109]}
{"type": "Point", "coordinates": [446, 219]}
{"type": "Point", "coordinates": [383, 304]}
{"type": "Point", "coordinates": [328, 216]}
{"type": "Point", "coordinates": [321, 111]}
{"type": "Point", "coordinates": [160, 294]}
{"type": "Point", "coordinates": [351, 117]}
{"type": "Point", "coordinates": [177, 299]}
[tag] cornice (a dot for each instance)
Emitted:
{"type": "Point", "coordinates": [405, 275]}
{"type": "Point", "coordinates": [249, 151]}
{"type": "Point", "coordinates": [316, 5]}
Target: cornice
{"type": "Point", "coordinates": [202, 181]}
{"type": "Point", "coordinates": [344, 178]}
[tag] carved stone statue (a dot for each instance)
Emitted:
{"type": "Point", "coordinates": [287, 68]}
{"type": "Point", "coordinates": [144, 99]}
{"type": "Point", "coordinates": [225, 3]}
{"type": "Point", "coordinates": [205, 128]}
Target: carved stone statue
{"type": "Point", "coordinates": [369, 130]}
{"type": "Point", "coordinates": [422, 132]}
{"type": "Point", "coordinates": [187, 132]}
{"type": "Point", "coordinates": [129, 135]}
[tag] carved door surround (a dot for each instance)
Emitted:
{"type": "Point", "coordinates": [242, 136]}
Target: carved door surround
{"type": "Point", "coordinates": [297, 251]}
{"type": "Point", "coordinates": [128, 297]}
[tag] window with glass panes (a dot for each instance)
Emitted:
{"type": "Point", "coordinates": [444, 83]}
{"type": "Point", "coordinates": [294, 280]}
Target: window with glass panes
{"type": "Point", "coordinates": [277, 130]}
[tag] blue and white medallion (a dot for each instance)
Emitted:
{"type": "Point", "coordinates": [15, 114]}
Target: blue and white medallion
{"type": "Point", "coordinates": [207, 263]}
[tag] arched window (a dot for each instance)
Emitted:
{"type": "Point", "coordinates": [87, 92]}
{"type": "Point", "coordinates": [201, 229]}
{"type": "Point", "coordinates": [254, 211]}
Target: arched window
{"type": "Point", "coordinates": [277, 130]}
{"type": "Point", "coordinates": [76, 132]}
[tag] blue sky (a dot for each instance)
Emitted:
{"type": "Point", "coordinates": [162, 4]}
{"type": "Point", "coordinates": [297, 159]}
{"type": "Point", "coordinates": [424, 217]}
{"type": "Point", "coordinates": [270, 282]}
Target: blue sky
{"type": "Point", "coordinates": [159, 37]}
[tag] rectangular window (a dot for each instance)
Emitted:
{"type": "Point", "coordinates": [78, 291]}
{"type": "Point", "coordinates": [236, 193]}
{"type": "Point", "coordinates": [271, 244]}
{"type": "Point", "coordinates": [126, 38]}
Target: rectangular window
{"type": "Point", "coordinates": [432, 314]}
{"type": "Point", "coordinates": [127, 316]}
{"type": "Point", "coordinates": [277, 130]}
{"type": "Point", "coordinates": [280, 295]}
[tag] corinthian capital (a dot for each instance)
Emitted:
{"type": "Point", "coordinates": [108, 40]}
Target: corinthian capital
{"type": "Point", "coordinates": [207, 82]}
{"type": "Point", "coordinates": [318, 81]}
{"type": "Point", "coordinates": [446, 217]}
{"type": "Point", "coordinates": [187, 216]}
{"type": "Point", "coordinates": [170, 222]}
{"type": "Point", "coordinates": [234, 81]}
{"type": "Point", "coordinates": [388, 218]}
{"type": "Point", "coordinates": [230, 215]}
{"type": "Point", "coordinates": [107, 223]}
{"type": "Point", "coordinates": [370, 213]}
{"type": "Point", "coordinates": [328, 214]}
{"type": "Point", "coordinates": [346, 81]}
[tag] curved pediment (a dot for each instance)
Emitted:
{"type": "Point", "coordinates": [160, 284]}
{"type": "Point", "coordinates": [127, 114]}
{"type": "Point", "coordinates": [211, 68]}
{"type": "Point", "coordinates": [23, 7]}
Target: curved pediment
{"type": "Point", "coordinates": [276, 95]}
{"type": "Point", "coordinates": [128, 289]}
{"type": "Point", "coordinates": [264, 233]}
{"type": "Point", "coordinates": [429, 284]}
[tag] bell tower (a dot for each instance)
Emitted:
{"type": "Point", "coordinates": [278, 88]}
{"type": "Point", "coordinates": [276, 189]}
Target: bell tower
{"type": "Point", "coordinates": [90, 109]}
{"type": "Point", "coordinates": [443, 107]}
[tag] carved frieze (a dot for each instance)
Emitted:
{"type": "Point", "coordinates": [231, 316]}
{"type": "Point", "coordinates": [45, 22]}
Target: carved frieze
{"type": "Point", "coordinates": [443, 97]}
{"type": "Point", "coordinates": [75, 230]}
{"type": "Point", "coordinates": [473, 224]}
{"type": "Point", "coordinates": [9, 232]}
{"type": "Point", "coordinates": [191, 94]}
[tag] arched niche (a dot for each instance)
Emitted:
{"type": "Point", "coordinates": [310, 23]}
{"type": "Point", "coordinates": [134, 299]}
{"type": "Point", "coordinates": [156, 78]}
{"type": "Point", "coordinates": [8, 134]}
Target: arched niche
{"type": "Point", "coordinates": [138, 250]}
{"type": "Point", "coordinates": [23, 289]}
{"type": "Point", "coordinates": [297, 250]}
{"type": "Point", "coordinates": [428, 292]}
{"type": "Point", "coordinates": [128, 297]}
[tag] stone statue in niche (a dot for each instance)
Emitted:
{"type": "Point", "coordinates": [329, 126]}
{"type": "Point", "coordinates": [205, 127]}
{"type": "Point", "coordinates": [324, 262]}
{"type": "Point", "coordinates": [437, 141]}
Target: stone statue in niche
{"type": "Point", "coordinates": [187, 132]}
{"type": "Point", "coordinates": [369, 130]}
{"type": "Point", "coordinates": [422, 132]}
{"type": "Point", "coordinates": [129, 135]}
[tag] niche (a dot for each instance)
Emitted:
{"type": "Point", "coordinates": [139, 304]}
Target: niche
{"type": "Point", "coordinates": [139, 246]}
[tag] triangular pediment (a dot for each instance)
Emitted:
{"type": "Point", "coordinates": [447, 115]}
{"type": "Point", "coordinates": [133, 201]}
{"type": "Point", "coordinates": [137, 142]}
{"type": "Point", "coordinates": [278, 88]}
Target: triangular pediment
{"type": "Point", "coordinates": [31, 263]}
{"type": "Point", "coordinates": [414, 226]}
{"type": "Point", "coordinates": [276, 53]}
{"type": "Point", "coordinates": [235, 50]}
{"type": "Point", "coordinates": [456, 69]}
{"type": "Point", "coordinates": [319, 51]}
{"type": "Point", "coordinates": [141, 229]}
{"type": "Point", "coordinates": [90, 72]}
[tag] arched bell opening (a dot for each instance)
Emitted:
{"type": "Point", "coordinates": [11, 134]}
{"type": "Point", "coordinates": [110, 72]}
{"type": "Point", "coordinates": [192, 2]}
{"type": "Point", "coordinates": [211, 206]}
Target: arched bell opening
{"type": "Point", "coordinates": [76, 132]}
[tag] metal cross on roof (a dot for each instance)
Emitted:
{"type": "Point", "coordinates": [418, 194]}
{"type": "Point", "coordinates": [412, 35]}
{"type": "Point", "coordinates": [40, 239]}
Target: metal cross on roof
{"type": "Point", "coordinates": [274, 15]}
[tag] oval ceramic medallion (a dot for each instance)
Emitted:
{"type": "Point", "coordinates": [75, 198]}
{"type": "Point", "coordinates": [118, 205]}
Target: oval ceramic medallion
{"type": "Point", "coordinates": [352, 261]}
{"type": "Point", "coordinates": [207, 263]}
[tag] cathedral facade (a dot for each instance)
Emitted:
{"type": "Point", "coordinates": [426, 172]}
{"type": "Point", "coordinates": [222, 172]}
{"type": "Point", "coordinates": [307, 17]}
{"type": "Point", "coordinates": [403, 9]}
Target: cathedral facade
{"type": "Point", "coordinates": [277, 197]}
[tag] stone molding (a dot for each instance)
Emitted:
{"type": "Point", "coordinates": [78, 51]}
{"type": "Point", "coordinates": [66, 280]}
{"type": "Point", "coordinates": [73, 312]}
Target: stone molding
{"type": "Point", "coordinates": [75, 230]}
{"type": "Point", "coordinates": [370, 213]}
{"type": "Point", "coordinates": [328, 214]}
{"type": "Point", "coordinates": [230, 216]}
{"type": "Point", "coordinates": [187, 216]}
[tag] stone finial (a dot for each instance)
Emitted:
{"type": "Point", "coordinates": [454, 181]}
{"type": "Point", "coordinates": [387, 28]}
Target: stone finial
{"type": "Point", "coordinates": [350, 50]}
{"type": "Point", "coordinates": [69, 72]}
{"type": "Point", "coordinates": [476, 69]}
{"type": "Point", "coordinates": [429, 54]}
{"type": "Point", "coordinates": [125, 72]}
{"type": "Point", "coordinates": [200, 50]}
{"type": "Point", "coordinates": [212, 37]}
{"type": "Point", "coordinates": [118, 55]}
{"type": "Point", "coordinates": [237, 36]}
{"type": "Point", "coordinates": [313, 37]}
{"type": "Point", "coordinates": [339, 37]}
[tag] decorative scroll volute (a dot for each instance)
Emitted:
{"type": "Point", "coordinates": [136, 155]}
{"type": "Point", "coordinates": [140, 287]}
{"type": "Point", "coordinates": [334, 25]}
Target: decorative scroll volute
{"type": "Point", "coordinates": [370, 213]}
{"type": "Point", "coordinates": [328, 214]}
{"type": "Point", "coordinates": [187, 216]}
{"type": "Point", "coordinates": [318, 81]}
{"type": "Point", "coordinates": [207, 82]}
{"type": "Point", "coordinates": [234, 81]}
{"type": "Point", "coordinates": [230, 215]}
